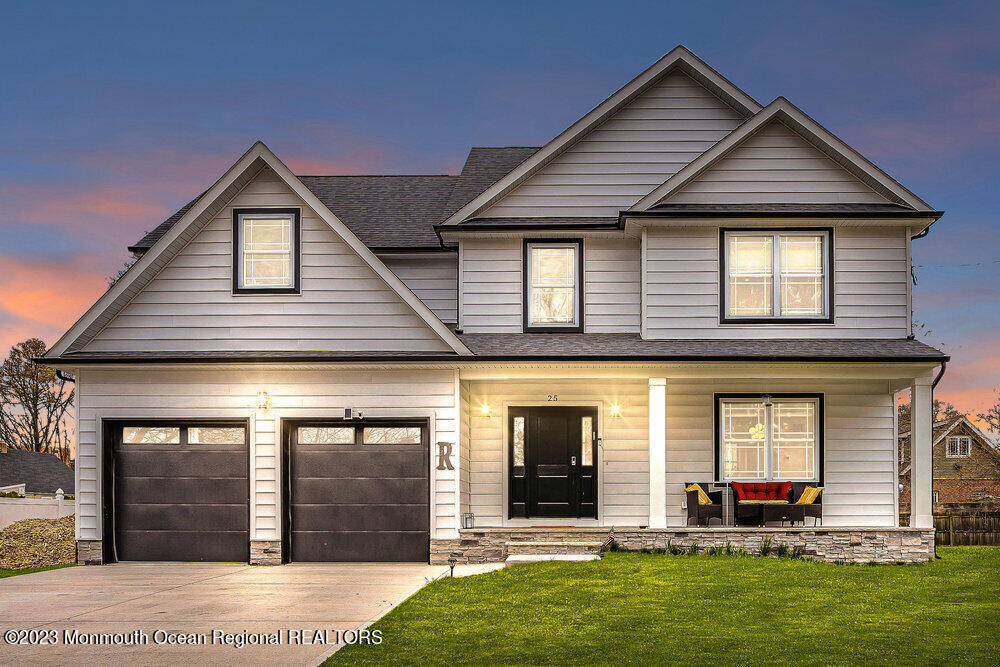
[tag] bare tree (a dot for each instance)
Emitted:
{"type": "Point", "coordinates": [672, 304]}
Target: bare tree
{"type": "Point", "coordinates": [942, 410]}
{"type": "Point", "coordinates": [992, 416]}
{"type": "Point", "coordinates": [33, 402]}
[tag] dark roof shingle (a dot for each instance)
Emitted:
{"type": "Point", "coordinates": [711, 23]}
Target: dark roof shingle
{"type": "Point", "coordinates": [394, 211]}
{"type": "Point", "coordinates": [38, 471]}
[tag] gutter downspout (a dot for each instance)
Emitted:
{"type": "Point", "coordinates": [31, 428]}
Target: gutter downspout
{"type": "Point", "coordinates": [64, 376]}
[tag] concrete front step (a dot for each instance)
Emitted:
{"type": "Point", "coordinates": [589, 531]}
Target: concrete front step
{"type": "Point", "coordinates": [552, 548]}
{"type": "Point", "coordinates": [523, 559]}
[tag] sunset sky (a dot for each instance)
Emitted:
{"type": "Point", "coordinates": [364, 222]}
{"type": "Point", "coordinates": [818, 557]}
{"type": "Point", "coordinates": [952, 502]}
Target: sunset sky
{"type": "Point", "coordinates": [113, 115]}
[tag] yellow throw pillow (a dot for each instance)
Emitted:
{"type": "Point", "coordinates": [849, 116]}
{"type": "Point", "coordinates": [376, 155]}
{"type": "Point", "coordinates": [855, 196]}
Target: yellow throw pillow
{"type": "Point", "coordinates": [809, 495]}
{"type": "Point", "coordinates": [703, 498]}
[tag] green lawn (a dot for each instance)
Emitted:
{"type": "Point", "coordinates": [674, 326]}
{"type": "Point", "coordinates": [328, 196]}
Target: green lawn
{"type": "Point", "coordinates": [642, 608]}
{"type": "Point", "coordinates": [30, 570]}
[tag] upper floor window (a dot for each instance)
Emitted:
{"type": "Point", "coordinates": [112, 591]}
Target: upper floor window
{"type": "Point", "coordinates": [769, 438]}
{"type": "Point", "coordinates": [959, 446]}
{"type": "Point", "coordinates": [779, 275]}
{"type": "Point", "coordinates": [553, 280]}
{"type": "Point", "coordinates": [266, 251]}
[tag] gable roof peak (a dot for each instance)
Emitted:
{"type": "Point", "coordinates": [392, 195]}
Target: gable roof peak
{"type": "Point", "coordinates": [679, 58]}
{"type": "Point", "coordinates": [782, 110]}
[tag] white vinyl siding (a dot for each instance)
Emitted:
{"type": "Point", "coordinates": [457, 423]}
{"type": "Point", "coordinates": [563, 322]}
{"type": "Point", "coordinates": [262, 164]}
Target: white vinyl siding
{"type": "Point", "coordinates": [869, 286]}
{"type": "Point", "coordinates": [491, 285]}
{"type": "Point", "coordinates": [627, 156]}
{"type": "Point", "coordinates": [859, 449]}
{"type": "Point", "coordinates": [611, 285]}
{"type": "Point", "coordinates": [232, 393]}
{"type": "Point", "coordinates": [623, 475]}
{"type": "Point", "coordinates": [189, 305]}
{"type": "Point", "coordinates": [775, 165]}
{"type": "Point", "coordinates": [433, 278]}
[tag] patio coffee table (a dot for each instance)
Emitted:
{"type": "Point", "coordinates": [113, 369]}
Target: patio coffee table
{"type": "Point", "coordinates": [784, 512]}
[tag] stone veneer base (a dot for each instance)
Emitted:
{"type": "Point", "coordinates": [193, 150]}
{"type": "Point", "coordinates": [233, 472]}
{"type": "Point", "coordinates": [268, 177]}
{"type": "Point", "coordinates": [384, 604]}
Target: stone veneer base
{"type": "Point", "coordinates": [265, 552]}
{"type": "Point", "coordinates": [89, 552]}
{"type": "Point", "coordinates": [838, 544]}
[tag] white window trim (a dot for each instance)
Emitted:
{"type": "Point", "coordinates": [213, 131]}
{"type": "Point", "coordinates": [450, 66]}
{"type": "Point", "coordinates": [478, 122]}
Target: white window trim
{"type": "Point", "coordinates": [577, 248]}
{"type": "Point", "coordinates": [959, 440]}
{"type": "Point", "coordinates": [768, 427]}
{"type": "Point", "coordinates": [293, 218]}
{"type": "Point", "coordinates": [776, 315]}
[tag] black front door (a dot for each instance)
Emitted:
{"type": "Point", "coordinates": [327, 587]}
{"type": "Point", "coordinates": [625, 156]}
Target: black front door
{"type": "Point", "coordinates": [552, 461]}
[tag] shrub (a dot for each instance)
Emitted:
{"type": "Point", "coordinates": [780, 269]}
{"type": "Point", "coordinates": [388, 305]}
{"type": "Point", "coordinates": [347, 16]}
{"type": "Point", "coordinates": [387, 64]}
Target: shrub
{"type": "Point", "coordinates": [673, 549]}
{"type": "Point", "coordinates": [782, 550]}
{"type": "Point", "coordinates": [715, 551]}
{"type": "Point", "coordinates": [693, 549]}
{"type": "Point", "coordinates": [729, 549]}
{"type": "Point", "coordinates": [10, 494]}
{"type": "Point", "coordinates": [797, 553]}
{"type": "Point", "coordinates": [611, 546]}
{"type": "Point", "coordinates": [765, 546]}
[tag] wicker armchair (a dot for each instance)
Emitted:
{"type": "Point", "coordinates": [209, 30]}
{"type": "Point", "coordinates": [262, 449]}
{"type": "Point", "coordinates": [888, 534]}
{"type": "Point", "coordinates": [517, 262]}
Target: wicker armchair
{"type": "Point", "coordinates": [703, 514]}
{"type": "Point", "coordinates": [813, 509]}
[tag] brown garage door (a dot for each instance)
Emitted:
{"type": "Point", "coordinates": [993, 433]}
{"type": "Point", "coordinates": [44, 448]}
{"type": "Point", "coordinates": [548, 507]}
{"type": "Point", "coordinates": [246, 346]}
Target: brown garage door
{"type": "Point", "coordinates": [357, 491]}
{"type": "Point", "coordinates": [181, 491]}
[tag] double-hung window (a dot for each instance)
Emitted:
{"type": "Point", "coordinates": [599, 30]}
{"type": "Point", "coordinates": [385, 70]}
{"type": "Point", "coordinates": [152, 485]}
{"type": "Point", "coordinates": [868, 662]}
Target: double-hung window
{"type": "Point", "coordinates": [776, 276]}
{"type": "Point", "coordinates": [959, 447]}
{"type": "Point", "coordinates": [765, 438]}
{"type": "Point", "coordinates": [266, 251]}
{"type": "Point", "coordinates": [553, 277]}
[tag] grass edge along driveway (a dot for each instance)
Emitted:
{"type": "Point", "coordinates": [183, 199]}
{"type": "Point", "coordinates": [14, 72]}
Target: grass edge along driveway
{"type": "Point", "coordinates": [646, 608]}
{"type": "Point", "coordinates": [31, 570]}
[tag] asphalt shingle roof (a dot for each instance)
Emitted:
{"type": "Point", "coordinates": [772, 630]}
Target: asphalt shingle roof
{"type": "Point", "coordinates": [38, 471]}
{"type": "Point", "coordinates": [587, 346]}
{"type": "Point", "coordinates": [394, 211]}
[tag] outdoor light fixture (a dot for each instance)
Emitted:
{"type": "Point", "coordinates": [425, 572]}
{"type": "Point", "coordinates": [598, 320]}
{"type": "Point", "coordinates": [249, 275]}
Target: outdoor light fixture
{"type": "Point", "coordinates": [263, 400]}
{"type": "Point", "coordinates": [468, 520]}
{"type": "Point", "coordinates": [616, 410]}
{"type": "Point", "coordinates": [767, 400]}
{"type": "Point", "coordinates": [486, 411]}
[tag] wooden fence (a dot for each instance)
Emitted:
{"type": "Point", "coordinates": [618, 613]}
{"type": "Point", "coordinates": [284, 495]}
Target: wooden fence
{"type": "Point", "coordinates": [967, 529]}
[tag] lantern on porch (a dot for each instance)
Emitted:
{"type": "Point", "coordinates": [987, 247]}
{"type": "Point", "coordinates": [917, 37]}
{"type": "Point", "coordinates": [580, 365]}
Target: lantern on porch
{"type": "Point", "coordinates": [468, 520]}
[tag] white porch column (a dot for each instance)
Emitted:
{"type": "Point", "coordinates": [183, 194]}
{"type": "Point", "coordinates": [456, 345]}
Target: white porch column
{"type": "Point", "coordinates": [657, 452]}
{"type": "Point", "coordinates": [921, 481]}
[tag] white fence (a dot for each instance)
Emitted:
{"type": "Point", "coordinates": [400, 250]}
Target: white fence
{"type": "Point", "coordinates": [15, 509]}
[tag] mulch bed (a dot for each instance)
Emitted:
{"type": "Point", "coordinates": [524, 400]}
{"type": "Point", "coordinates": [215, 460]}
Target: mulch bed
{"type": "Point", "coordinates": [37, 542]}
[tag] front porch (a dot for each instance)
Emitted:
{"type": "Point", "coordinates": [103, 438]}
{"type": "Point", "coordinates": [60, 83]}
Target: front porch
{"type": "Point", "coordinates": [657, 428]}
{"type": "Point", "coordinates": [834, 545]}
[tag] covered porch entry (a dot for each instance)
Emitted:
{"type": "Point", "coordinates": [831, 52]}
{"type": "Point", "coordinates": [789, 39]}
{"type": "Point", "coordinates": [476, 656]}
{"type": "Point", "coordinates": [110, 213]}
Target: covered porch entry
{"type": "Point", "coordinates": [561, 447]}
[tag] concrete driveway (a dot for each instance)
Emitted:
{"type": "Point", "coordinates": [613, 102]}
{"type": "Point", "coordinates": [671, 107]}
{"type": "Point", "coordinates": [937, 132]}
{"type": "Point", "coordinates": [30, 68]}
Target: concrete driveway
{"type": "Point", "coordinates": [198, 600]}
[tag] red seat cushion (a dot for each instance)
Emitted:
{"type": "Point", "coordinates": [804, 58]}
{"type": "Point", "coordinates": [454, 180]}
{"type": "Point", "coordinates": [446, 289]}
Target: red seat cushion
{"type": "Point", "coordinates": [762, 490]}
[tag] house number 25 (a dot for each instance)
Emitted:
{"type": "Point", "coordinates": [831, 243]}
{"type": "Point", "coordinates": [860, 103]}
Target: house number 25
{"type": "Point", "coordinates": [553, 397]}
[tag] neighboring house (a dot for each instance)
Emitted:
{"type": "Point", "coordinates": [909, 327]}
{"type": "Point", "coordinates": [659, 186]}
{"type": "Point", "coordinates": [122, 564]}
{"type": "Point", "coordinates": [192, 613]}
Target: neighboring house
{"type": "Point", "coordinates": [39, 472]}
{"type": "Point", "coordinates": [966, 465]}
{"type": "Point", "coordinates": [682, 285]}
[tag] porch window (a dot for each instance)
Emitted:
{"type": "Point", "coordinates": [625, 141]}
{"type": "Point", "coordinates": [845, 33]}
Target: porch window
{"type": "Point", "coordinates": [552, 285]}
{"type": "Point", "coordinates": [959, 446]}
{"type": "Point", "coordinates": [765, 438]}
{"type": "Point", "coordinates": [265, 251]}
{"type": "Point", "coordinates": [780, 275]}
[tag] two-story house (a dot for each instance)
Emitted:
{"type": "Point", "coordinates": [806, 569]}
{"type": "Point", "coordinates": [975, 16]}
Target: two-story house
{"type": "Point", "coordinates": [684, 285]}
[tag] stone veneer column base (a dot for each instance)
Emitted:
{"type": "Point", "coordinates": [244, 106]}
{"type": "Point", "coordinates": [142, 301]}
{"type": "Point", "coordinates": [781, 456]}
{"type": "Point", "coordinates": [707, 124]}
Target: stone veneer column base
{"type": "Point", "coordinates": [832, 545]}
{"type": "Point", "coordinates": [89, 552]}
{"type": "Point", "coordinates": [265, 552]}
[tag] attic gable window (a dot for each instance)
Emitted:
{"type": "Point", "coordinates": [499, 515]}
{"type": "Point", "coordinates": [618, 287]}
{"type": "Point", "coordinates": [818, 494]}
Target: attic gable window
{"type": "Point", "coordinates": [776, 275]}
{"type": "Point", "coordinates": [266, 251]}
{"type": "Point", "coordinates": [553, 277]}
{"type": "Point", "coordinates": [959, 447]}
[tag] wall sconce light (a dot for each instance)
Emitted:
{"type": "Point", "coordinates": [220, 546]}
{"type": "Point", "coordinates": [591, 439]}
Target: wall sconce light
{"type": "Point", "coordinates": [468, 520]}
{"type": "Point", "coordinates": [616, 410]}
{"type": "Point", "coordinates": [486, 411]}
{"type": "Point", "coordinates": [263, 400]}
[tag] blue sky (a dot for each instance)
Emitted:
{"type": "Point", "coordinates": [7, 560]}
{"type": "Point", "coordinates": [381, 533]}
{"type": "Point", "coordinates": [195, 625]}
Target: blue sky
{"type": "Point", "coordinates": [114, 114]}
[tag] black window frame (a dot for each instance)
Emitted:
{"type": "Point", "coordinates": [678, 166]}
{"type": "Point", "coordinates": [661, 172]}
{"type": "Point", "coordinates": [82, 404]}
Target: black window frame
{"type": "Point", "coordinates": [296, 286]}
{"type": "Point", "coordinates": [527, 326]}
{"type": "Point", "coordinates": [820, 399]}
{"type": "Point", "coordinates": [724, 317]}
